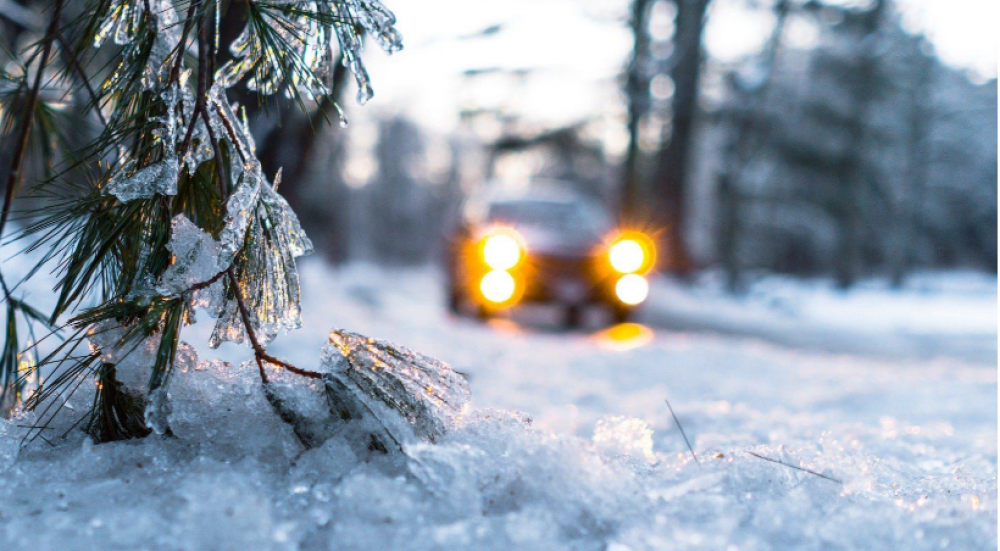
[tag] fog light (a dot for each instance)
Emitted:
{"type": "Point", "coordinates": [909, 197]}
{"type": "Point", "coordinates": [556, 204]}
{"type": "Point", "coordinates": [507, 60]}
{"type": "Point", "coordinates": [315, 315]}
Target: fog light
{"type": "Point", "coordinates": [501, 251]}
{"type": "Point", "coordinates": [498, 286]}
{"type": "Point", "coordinates": [632, 289]}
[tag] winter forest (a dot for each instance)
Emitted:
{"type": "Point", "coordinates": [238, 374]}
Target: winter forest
{"type": "Point", "coordinates": [609, 275]}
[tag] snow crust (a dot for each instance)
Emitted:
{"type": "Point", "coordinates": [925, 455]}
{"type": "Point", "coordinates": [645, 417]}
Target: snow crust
{"type": "Point", "coordinates": [593, 462]}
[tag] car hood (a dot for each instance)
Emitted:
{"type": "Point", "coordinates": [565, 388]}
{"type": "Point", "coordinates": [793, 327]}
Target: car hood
{"type": "Point", "coordinates": [549, 243]}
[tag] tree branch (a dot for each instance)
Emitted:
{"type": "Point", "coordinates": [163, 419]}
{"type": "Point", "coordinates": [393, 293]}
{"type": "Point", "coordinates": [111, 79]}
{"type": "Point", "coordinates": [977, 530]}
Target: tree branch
{"type": "Point", "coordinates": [22, 140]}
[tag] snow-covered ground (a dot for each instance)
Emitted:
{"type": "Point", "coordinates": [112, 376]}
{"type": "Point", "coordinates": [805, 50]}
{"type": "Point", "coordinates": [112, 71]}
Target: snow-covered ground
{"type": "Point", "coordinates": [909, 439]}
{"type": "Point", "coordinates": [936, 314]}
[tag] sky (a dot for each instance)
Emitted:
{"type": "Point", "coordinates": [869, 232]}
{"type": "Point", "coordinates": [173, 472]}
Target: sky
{"type": "Point", "coordinates": [572, 51]}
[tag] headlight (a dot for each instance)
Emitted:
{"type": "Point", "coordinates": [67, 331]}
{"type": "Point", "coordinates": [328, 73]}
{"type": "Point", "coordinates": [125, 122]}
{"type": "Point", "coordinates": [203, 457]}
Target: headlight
{"type": "Point", "coordinates": [497, 286]}
{"type": "Point", "coordinates": [627, 256]}
{"type": "Point", "coordinates": [501, 251]}
{"type": "Point", "coordinates": [632, 252]}
{"type": "Point", "coordinates": [632, 289]}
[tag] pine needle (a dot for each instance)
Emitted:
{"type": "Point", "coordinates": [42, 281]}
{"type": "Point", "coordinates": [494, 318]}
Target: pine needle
{"type": "Point", "coordinates": [797, 468]}
{"type": "Point", "coordinates": [686, 441]}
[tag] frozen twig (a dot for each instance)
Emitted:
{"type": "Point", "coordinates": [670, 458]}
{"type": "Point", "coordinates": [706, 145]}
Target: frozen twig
{"type": "Point", "coordinates": [260, 354]}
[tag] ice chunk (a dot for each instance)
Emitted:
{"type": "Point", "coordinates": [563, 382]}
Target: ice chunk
{"type": "Point", "coordinates": [156, 179]}
{"type": "Point", "coordinates": [158, 411]}
{"type": "Point", "coordinates": [132, 359]}
{"type": "Point", "coordinates": [411, 396]}
{"type": "Point", "coordinates": [196, 257]}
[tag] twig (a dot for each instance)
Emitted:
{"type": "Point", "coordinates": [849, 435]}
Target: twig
{"type": "Point", "coordinates": [22, 139]}
{"type": "Point", "coordinates": [797, 468]}
{"type": "Point", "coordinates": [686, 441]}
{"type": "Point", "coordinates": [202, 90]}
{"type": "Point", "coordinates": [182, 44]}
{"type": "Point", "coordinates": [260, 353]}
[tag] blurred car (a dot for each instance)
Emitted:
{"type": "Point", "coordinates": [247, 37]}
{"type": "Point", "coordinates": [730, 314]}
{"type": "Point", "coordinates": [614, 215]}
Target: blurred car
{"type": "Point", "coordinates": [550, 246]}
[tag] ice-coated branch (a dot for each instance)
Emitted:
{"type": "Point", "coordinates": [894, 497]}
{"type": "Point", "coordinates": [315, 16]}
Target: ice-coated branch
{"type": "Point", "coordinates": [260, 354]}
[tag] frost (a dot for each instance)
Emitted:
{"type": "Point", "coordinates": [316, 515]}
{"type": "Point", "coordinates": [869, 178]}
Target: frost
{"type": "Point", "coordinates": [411, 396]}
{"type": "Point", "coordinates": [156, 179]}
{"type": "Point", "coordinates": [196, 257]}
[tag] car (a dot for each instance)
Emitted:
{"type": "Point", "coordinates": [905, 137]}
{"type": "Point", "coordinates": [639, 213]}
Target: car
{"type": "Point", "coordinates": [546, 245]}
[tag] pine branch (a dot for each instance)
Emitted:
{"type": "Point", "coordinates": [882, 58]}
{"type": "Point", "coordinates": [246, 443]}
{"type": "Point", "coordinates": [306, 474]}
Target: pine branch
{"type": "Point", "coordinates": [22, 140]}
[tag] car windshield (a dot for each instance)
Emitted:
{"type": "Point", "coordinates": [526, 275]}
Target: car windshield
{"type": "Point", "coordinates": [558, 216]}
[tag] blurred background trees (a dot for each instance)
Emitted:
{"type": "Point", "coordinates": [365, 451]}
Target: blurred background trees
{"type": "Point", "coordinates": [834, 143]}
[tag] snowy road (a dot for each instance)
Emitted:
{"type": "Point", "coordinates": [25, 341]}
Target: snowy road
{"type": "Point", "coordinates": [911, 445]}
{"type": "Point", "coordinates": [566, 380]}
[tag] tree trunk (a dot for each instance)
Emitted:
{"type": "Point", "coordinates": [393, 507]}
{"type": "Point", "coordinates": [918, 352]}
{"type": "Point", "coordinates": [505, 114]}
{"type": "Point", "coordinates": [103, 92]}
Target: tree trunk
{"type": "Point", "coordinates": [745, 143]}
{"type": "Point", "coordinates": [918, 143]}
{"type": "Point", "coordinates": [637, 93]}
{"type": "Point", "coordinates": [854, 173]}
{"type": "Point", "coordinates": [673, 166]}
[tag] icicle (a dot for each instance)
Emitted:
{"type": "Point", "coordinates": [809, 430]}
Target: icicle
{"type": "Point", "coordinates": [270, 279]}
{"type": "Point", "coordinates": [409, 395]}
{"type": "Point", "coordinates": [343, 117]}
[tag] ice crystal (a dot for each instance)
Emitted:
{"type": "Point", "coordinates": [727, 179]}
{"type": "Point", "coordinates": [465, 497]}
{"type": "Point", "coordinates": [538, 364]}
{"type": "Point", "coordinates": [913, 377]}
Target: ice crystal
{"type": "Point", "coordinates": [410, 396]}
{"type": "Point", "coordinates": [625, 437]}
{"type": "Point", "coordinates": [312, 29]}
{"type": "Point", "coordinates": [156, 179]}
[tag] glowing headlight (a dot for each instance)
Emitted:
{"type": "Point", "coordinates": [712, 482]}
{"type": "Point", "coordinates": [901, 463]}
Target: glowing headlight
{"type": "Point", "coordinates": [632, 252]}
{"type": "Point", "coordinates": [501, 251]}
{"type": "Point", "coordinates": [627, 256]}
{"type": "Point", "coordinates": [632, 289]}
{"type": "Point", "coordinates": [497, 286]}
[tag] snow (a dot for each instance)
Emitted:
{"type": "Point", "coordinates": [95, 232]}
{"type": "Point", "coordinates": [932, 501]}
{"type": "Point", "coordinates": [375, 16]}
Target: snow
{"type": "Point", "coordinates": [592, 461]}
{"type": "Point", "coordinates": [951, 314]}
